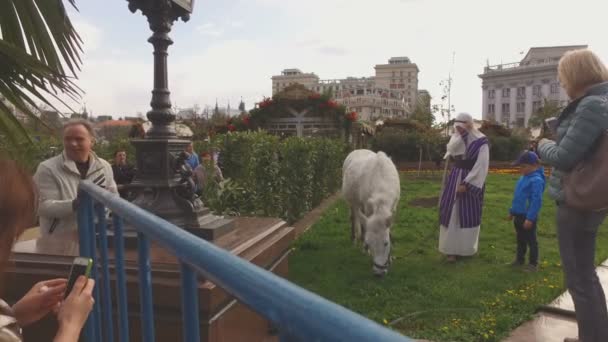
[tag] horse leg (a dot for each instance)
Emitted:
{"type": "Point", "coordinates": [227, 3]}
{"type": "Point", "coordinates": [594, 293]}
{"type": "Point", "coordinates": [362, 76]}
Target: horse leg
{"type": "Point", "coordinates": [352, 224]}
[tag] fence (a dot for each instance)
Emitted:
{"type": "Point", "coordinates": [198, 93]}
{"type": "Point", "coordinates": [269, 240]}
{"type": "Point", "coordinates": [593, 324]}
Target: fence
{"type": "Point", "coordinates": [299, 315]}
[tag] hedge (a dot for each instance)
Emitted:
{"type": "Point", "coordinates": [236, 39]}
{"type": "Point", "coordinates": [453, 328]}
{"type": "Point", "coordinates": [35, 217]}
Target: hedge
{"type": "Point", "coordinates": [266, 176]}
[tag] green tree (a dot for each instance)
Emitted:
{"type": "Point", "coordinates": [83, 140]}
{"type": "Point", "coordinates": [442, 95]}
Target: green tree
{"type": "Point", "coordinates": [39, 57]}
{"type": "Point", "coordinates": [423, 113]}
{"type": "Point", "coordinates": [548, 110]}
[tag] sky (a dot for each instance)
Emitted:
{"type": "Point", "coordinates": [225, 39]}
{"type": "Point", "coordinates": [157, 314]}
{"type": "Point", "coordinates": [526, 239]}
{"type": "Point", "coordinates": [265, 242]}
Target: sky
{"type": "Point", "coordinates": [231, 48]}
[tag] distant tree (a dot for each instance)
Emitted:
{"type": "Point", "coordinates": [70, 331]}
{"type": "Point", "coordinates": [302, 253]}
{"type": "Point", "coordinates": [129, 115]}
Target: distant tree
{"type": "Point", "coordinates": [548, 110]}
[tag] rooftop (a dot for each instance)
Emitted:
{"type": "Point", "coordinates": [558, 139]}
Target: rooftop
{"type": "Point", "coordinates": [537, 57]}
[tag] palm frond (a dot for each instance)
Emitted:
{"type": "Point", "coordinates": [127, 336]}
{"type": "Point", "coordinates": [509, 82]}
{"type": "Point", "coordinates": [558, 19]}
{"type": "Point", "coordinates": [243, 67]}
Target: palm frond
{"type": "Point", "coordinates": [37, 45]}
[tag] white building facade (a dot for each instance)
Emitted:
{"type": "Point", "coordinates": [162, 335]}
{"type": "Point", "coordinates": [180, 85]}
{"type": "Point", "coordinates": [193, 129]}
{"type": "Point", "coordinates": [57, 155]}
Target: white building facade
{"type": "Point", "coordinates": [513, 92]}
{"type": "Point", "coordinates": [392, 92]}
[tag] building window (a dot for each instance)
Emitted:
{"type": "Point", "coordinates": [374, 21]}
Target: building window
{"type": "Point", "coordinates": [393, 74]}
{"type": "Point", "coordinates": [401, 73]}
{"type": "Point", "coordinates": [506, 108]}
{"type": "Point", "coordinates": [536, 90]}
{"type": "Point", "coordinates": [491, 93]}
{"type": "Point", "coordinates": [521, 92]}
{"type": "Point", "coordinates": [536, 106]}
{"type": "Point", "coordinates": [554, 88]}
{"type": "Point", "coordinates": [491, 108]}
{"type": "Point", "coordinates": [521, 107]}
{"type": "Point", "coordinates": [506, 92]}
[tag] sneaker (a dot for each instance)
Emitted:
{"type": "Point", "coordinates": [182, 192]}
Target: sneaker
{"type": "Point", "coordinates": [531, 268]}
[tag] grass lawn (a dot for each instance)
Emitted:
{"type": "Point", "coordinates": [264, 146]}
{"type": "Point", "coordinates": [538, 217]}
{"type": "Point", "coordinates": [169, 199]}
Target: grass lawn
{"type": "Point", "coordinates": [477, 299]}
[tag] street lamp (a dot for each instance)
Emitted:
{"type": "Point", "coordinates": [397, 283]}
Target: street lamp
{"type": "Point", "coordinates": [163, 182]}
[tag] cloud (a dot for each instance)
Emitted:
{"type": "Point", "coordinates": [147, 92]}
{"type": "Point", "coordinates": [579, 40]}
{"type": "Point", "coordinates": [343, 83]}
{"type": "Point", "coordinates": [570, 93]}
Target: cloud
{"type": "Point", "coordinates": [237, 24]}
{"type": "Point", "coordinates": [91, 35]}
{"type": "Point", "coordinates": [210, 29]}
{"type": "Point", "coordinates": [332, 50]}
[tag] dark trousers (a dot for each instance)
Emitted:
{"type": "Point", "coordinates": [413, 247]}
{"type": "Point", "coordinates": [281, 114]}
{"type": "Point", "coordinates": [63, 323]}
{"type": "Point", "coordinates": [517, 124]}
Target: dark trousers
{"type": "Point", "coordinates": [525, 238]}
{"type": "Point", "coordinates": [577, 232]}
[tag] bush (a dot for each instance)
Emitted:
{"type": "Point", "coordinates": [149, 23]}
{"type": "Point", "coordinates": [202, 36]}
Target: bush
{"type": "Point", "coordinates": [269, 177]}
{"type": "Point", "coordinates": [506, 148]}
{"type": "Point", "coordinates": [405, 145]}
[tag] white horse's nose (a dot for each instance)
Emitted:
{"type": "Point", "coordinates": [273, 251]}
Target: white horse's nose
{"type": "Point", "coordinates": [380, 273]}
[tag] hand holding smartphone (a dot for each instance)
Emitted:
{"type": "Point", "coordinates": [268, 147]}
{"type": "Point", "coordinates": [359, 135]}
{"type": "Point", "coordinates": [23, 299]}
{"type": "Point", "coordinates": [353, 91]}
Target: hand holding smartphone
{"type": "Point", "coordinates": [80, 267]}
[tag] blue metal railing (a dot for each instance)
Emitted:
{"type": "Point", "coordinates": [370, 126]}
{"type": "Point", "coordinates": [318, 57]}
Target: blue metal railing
{"type": "Point", "coordinates": [298, 314]}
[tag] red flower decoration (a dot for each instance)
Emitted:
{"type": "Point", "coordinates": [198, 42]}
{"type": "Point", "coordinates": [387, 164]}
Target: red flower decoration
{"type": "Point", "coordinates": [265, 103]}
{"type": "Point", "coordinates": [231, 128]}
{"type": "Point", "coordinates": [246, 120]}
{"type": "Point", "coordinates": [314, 96]}
{"type": "Point", "coordinates": [352, 116]}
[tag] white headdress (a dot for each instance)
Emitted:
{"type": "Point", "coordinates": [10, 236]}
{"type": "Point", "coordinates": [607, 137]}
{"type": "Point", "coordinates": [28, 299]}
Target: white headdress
{"type": "Point", "coordinates": [456, 146]}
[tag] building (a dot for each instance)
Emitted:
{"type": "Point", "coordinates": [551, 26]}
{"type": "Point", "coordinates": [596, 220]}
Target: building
{"type": "Point", "coordinates": [513, 92]}
{"type": "Point", "coordinates": [392, 92]}
{"type": "Point", "coordinates": [424, 99]}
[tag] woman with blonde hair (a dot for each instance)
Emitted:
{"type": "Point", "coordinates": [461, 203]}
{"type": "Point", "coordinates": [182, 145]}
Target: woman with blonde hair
{"type": "Point", "coordinates": [580, 126]}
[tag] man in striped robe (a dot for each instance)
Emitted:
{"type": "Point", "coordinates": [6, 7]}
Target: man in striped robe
{"type": "Point", "coordinates": [461, 202]}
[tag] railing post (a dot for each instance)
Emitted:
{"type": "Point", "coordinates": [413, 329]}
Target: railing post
{"type": "Point", "coordinates": [190, 319]}
{"type": "Point", "coordinates": [121, 280]}
{"type": "Point", "coordinates": [92, 243]}
{"type": "Point", "coordinates": [86, 232]}
{"type": "Point", "coordinates": [108, 333]}
{"type": "Point", "coordinates": [84, 215]}
{"type": "Point", "coordinates": [145, 288]}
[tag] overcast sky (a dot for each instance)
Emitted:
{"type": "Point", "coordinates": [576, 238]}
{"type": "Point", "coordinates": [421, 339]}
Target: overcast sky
{"type": "Point", "coordinates": [230, 48]}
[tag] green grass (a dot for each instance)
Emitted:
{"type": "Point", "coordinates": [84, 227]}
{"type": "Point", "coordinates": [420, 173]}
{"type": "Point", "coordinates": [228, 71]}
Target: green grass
{"type": "Point", "coordinates": [476, 299]}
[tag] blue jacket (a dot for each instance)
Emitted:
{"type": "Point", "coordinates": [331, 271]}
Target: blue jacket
{"type": "Point", "coordinates": [193, 161]}
{"type": "Point", "coordinates": [528, 197]}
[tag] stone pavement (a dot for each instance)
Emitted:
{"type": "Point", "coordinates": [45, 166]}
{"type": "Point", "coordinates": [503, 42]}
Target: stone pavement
{"type": "Point", "coordinates": [556, 320]}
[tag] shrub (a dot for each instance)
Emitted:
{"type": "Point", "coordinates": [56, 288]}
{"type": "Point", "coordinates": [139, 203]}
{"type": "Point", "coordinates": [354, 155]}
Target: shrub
{"type": "Point", "coordinates": [405, 145]}
{"type": "Point", "coordinates": [266, 176]}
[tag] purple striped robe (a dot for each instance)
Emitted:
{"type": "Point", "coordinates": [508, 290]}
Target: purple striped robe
{"type": "Point", "coordinates": [470, 202]}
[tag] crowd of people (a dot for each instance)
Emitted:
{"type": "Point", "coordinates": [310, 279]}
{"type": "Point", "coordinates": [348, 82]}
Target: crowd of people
{"type": "Point", "coordinates": [52, 195]}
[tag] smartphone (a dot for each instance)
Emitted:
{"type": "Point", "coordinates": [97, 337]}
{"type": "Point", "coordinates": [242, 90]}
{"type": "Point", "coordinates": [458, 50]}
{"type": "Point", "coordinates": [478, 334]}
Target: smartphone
{"type": "Point", "coordinates": [551, 124]}
{"type": "Point", "coordinates": [80, 267]}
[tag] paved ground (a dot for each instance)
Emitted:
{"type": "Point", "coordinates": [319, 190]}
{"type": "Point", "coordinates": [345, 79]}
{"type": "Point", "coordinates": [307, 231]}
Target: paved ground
{"type": "Point", "coordinates": [557, 321]}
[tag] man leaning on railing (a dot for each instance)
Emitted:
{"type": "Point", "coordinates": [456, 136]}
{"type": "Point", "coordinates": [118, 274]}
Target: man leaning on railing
{"type": "Point", "coordinates": [57, 178]}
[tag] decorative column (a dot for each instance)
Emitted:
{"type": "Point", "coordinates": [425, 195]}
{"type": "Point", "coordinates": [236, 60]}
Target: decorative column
{"type": "Point", "coordinates": [163, 182]}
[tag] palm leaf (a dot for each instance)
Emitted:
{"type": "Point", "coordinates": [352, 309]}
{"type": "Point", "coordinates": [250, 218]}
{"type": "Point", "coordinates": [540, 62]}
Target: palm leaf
{"type": "Point", "coordinates": [38, 45]}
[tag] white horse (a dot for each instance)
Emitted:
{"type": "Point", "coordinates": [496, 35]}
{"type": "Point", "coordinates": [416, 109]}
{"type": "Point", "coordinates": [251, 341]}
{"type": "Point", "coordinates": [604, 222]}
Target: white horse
{"type": "Point", "coordinates": [370, 185]}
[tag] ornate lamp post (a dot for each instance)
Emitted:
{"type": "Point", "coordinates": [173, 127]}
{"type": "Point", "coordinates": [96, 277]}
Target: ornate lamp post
{"type": "Point", "coordinates": [163, 181]}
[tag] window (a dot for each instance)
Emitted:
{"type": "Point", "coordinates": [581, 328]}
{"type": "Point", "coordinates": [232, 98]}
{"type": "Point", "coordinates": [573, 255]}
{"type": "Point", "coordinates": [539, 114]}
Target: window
{"type": "Point", "coordinates": [521, 107]}
{"type": "Point", "coordinates": [491, 93]}
{"type": "Point", "coordinates": [554, 88]}
{"type": "Point", "coordinates": [521, 92]}
{"type": "Point", "coordinates": [506, 108]}
{"type": "Point", "coordinates": [409, 73]}
{"type": "Point", "coordinates": [393, 74]}
{"type": "Point", "coordinates": [536, 90]}
{"type": "Point", "coordinates": [401, 73]}
{"type": "Point", "coordinates": [506, 92]}
{"type": "Point", "coordinates": [536, 106]}
{"type": "Point", "coordinates": [491, 108]}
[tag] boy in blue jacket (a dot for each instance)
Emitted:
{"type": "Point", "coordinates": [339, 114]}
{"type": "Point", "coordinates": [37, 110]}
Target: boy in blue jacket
{"type": "Point", "coordinates": [527, 201]}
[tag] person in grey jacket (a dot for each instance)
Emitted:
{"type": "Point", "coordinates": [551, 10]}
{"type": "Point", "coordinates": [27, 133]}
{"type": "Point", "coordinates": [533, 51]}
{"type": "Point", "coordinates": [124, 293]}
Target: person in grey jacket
{"type": "Point", "coordinates": [57, 178]}
{"type": "Point", "coordinates": [585, 79]}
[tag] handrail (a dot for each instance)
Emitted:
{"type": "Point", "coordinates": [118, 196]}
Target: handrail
{"type": "Point", "coordinates": [298, 314]}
